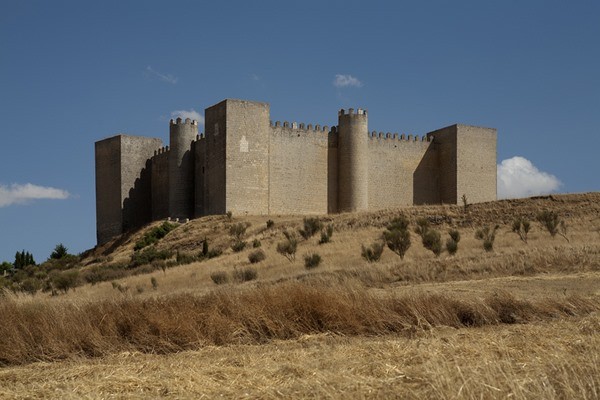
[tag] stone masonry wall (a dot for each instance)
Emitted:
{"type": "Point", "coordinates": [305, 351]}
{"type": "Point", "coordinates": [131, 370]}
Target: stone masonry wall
{"type": "Point", "coordinates": [393, 163]}
{"type": "Point", "coordinates": [299, 168]}
{"type": "Point", "coordinates": [476, 163]}
{"type": "Point", "coordinates": [109, 219]}
{"type": "Point", "coordinates": [214, 176]}
{"type": "Point", "coordinates": [199, 150]}
{"type": "Point", "coordinates": [160, 185]}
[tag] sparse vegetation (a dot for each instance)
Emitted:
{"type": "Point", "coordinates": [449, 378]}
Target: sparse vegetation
{"type": "Point", "coordinates": [397, 236]}
{"type": "Point", "coordinates": [238, 245]}
{"type": "Point", "coordinates": [552, 222]}
{"type": "Point", "coordinates": [256, 256]}
{"type": "Point", "coordinates": [147, 256]}
{"type": "Point", "coordinates": [288, 247]}
{"type": "Point", "coordinates": [452, 242]}
{"type": "Point", "coordinates": [219, 277]}
{"type": "Point", "coordinates": [521, 227]}
{"type": "Point", "coordinates": [373, 252]}
{"type": "Point", "coordinates": [244, 274]}
{"type": "Point", "coordinates": [237, 231]}
{"type": "Point", "coordinates": [326, 234]}
{"type": "Point", "coordinates": [488, 235]}
{"type": "Point", "coordinates": [154, 283]}
{"type": "Point", "coordinates": [270, 223]}
{"type": "Point", "coordinates": [154, 235]}
{"type": "Point", "coordinates": [312, 260]}
{"type": "Point", "coordinates": [311, 226]}
{"type": "Point", "coordinates": [432, 240]}
{"type": "Point", "coordinates": [256, 243]}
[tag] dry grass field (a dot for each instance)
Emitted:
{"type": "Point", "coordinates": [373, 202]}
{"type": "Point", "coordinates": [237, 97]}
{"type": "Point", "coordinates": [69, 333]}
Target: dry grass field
{"type": "Point", "coordinates": [521, 321]}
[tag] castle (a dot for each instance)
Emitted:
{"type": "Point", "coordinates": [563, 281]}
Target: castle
{"type": "Point", "coordinates": [245, 164]}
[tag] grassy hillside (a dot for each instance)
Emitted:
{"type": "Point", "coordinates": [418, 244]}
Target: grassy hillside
{"type": "Point", "coordinates": [521, 320]}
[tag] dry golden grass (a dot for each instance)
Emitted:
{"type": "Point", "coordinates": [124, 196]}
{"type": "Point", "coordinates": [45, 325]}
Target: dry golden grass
{"type": "Point", "coordinates": [519, 322]}
{"type": "Point", "coordinates": [559, 359]}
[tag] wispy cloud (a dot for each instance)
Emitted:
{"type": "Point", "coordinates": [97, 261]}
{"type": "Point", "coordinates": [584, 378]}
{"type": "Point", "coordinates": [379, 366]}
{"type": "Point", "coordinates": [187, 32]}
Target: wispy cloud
{"type": "Point", "coordinates": [518, 177]}
{"type": "Point", "coordinates": [341, 81]}
{"type": "Point", "coordinates": [191, 114]}
{"type": "Point", "coordinates": [254, 77]}
{"type": "Point", "coordinates": [151, 72]}
{"type": "Point", "coordinates": [23, 193]}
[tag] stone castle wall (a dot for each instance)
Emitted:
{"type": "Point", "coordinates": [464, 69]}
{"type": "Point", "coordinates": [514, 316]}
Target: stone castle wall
{"type": "Point", "coordinates": [247, 165]}
{"type": "Point", "coordinates": [299, 157]}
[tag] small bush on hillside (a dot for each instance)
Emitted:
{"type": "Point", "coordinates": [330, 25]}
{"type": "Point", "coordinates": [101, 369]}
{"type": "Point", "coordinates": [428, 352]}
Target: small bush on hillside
{"type": "Point", "coordinates": [245, 274]}
{"type": "Point", "coordinates": [185, 258]}
{"type": "Point", "coordinates": [552, 222]}
{"type": "Point", "coordinates": [219, 277]}
{"type": "Point", "coordinates": [288, 247]}
{"type": "Point", "coordinates": [256, 243]}
{"type": "Point", "coordinates": [326, 234]}
{"type": "Point", "coordinates": [312, 260]}
{"type": "Point", "coordinates": [432, 240]}
{"type": "Point", "coordinates": [154, 235]}
{"type": "Point", "coordinates": [422, 227]}
{"type": "Point", "coordinates": [238, 245]}
{"type": "Point", "coordinates": [237, 231]}
{"type": "Point", "coordinates": [64, 281]}
{"type": "Point", "coordinates": [397, 236]}
{"type": "Point", "coordinates": [229, 215]}
{"type": "Point", "coordinates": [521, 227]}
{"type": "Point", "coordinates": [373, 252]}
{"type": "Point", "coordinates": [270, 223]}
{"type": "Point", "coordinates": [154, 283]}
{"type": "Point", "coordinates": [214, 252]}
{"type": "Point", "coordinates": [488, 235]}
{"type": "Point", "coordinates": [147, 256]}
{"type": "Point", "coordinates": [311, 226]}
{"type": "Point", "coordinates": [256, 256]}
{"type": "Point", "coordinates": [452, 242]}
{"type": "Point", "coordinates": [204, 252]}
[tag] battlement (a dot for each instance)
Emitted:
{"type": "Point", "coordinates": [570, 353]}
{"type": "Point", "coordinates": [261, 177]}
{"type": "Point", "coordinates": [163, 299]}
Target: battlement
{"type": "Point", "coordinates": [351, 111]}
{"type": "Point", "coordinates": [161, 150]}
{"type": "Point", "coordinates": [403, 137]}
{"type": "Point", "coordinates": [302, 127]}
{"type": "Point", "coordinates": [180, 121]}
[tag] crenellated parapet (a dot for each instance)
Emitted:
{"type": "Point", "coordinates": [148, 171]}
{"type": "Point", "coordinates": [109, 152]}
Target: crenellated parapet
{"type": "Point", "coordinates": [399, 137]}
{"type": "Point", "coordinates": [180, 121]}
{"type": "Point", "coordinates": [302, 127]}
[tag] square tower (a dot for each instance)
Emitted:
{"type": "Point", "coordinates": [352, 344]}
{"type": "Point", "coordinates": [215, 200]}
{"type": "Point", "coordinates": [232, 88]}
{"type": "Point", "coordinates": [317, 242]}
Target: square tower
{"type": "Point", "coordinates": [123, 184]}
{"type": "Point", "coordinates": [236, 173]}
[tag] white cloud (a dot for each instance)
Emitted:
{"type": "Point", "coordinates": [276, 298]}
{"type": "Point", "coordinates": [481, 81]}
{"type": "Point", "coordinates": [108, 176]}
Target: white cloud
{"type": "Point", "coordinates": [167, 78]}
{"type": "Point", "coordinates": [518, 177]}
{"type": "Point", "coordinates": [191, 114]}
{"type": "Point", "coordinates": [346, 80]}
{"type": "Point", "coordinates": [22, 193]}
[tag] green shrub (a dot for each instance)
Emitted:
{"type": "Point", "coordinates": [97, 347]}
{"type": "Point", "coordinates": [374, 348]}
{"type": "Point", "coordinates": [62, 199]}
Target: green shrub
{"type": "Point", "coordinates": [312, 260]}
{"type": "Point", "coordinates": [311, 226]}
{"type": "Point", "coordinates": [30, 285]}
{"type": "Point", "coordinates": [422, 227]}
{"type": "Point", "coordinates": [256, 243]}
{"type": "Point", "coordinates": [521, 227]}
{"type": "Point", "coordinates": [219, 277]}
{"type": "Point", "coordinates": [432, 240]}
{"type": "Point", "coordinates": [185, 258]}
{"type": "Point", "coordinates": [552, 222]}
{"type": "Point", "coordinates": [326, 234]}
{"type": "Point", "coordinates": [229, 215]}
{"type": "Point", "coordinates": [147, 256]}
{"type": "Point", "coordinates": [214, 252]}
{"type": "Point", "coordinates": [65, 280]}
{"type": "Point", "coordinates": [256, 256]}
{"type": "Point", "coordinates": [397, 236]}
{"type": "Point", "coordinates": [237, 231]}
{"type": "Point", "coordinates": [154, 235]}
{"type": "Point", "coordinates": [244, 274]}
{"type": "Point", "coordinates": [238, 245]}
{"type": "Point", "coordinates": [204, 252]}
{"type": "Point", "coordinates": [488, 235]}
{"type": "Point", "coordinates": [270, 223]}
{"type": "Point", "coordinates": [451, 246]}
{"type": "Point", "coordinates": [454, 235]}
{"type": "Point", "coordinates": [60, 251]}
{"type": "Point", "coordinates": [288, 247]}
{"type": "Point", "coordinates": [373, 252]}
{"type": "Point", "coordinates": [154, 283]}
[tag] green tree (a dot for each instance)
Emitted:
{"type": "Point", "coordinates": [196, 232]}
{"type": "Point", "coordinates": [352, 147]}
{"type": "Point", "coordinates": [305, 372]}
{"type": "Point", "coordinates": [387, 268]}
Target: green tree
{"type": "Point", "coordinates": [397, 236]}
{"type": "Point", "coordinates": [60, 251]}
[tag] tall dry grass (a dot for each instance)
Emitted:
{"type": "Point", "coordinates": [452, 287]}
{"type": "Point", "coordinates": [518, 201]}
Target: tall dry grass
{"type": "Point", "coordinates": [38, 331]}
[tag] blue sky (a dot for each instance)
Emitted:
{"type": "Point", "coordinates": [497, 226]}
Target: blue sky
{"type": "Point", "coordinates": [72, 73]}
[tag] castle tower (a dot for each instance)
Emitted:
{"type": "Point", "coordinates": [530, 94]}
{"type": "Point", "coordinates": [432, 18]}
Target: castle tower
{"type": "Point", "coordinates": [353, 160]}
{"type": "Point", "coordinates": [181, 168]}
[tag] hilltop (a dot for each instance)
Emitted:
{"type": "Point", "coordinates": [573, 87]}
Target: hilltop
{"type": "Point", "coordinates": [520, 320]}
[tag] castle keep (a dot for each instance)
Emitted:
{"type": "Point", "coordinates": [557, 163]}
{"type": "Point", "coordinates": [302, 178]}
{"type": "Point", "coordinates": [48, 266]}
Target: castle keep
{"type": "Point", "coordinates": [245, 164]}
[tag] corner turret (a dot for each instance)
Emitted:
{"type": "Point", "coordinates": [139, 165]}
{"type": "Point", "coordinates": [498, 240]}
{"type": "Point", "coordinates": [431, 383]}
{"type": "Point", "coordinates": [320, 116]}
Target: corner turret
{"type": "Point", "coordinates": [181, 168]}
